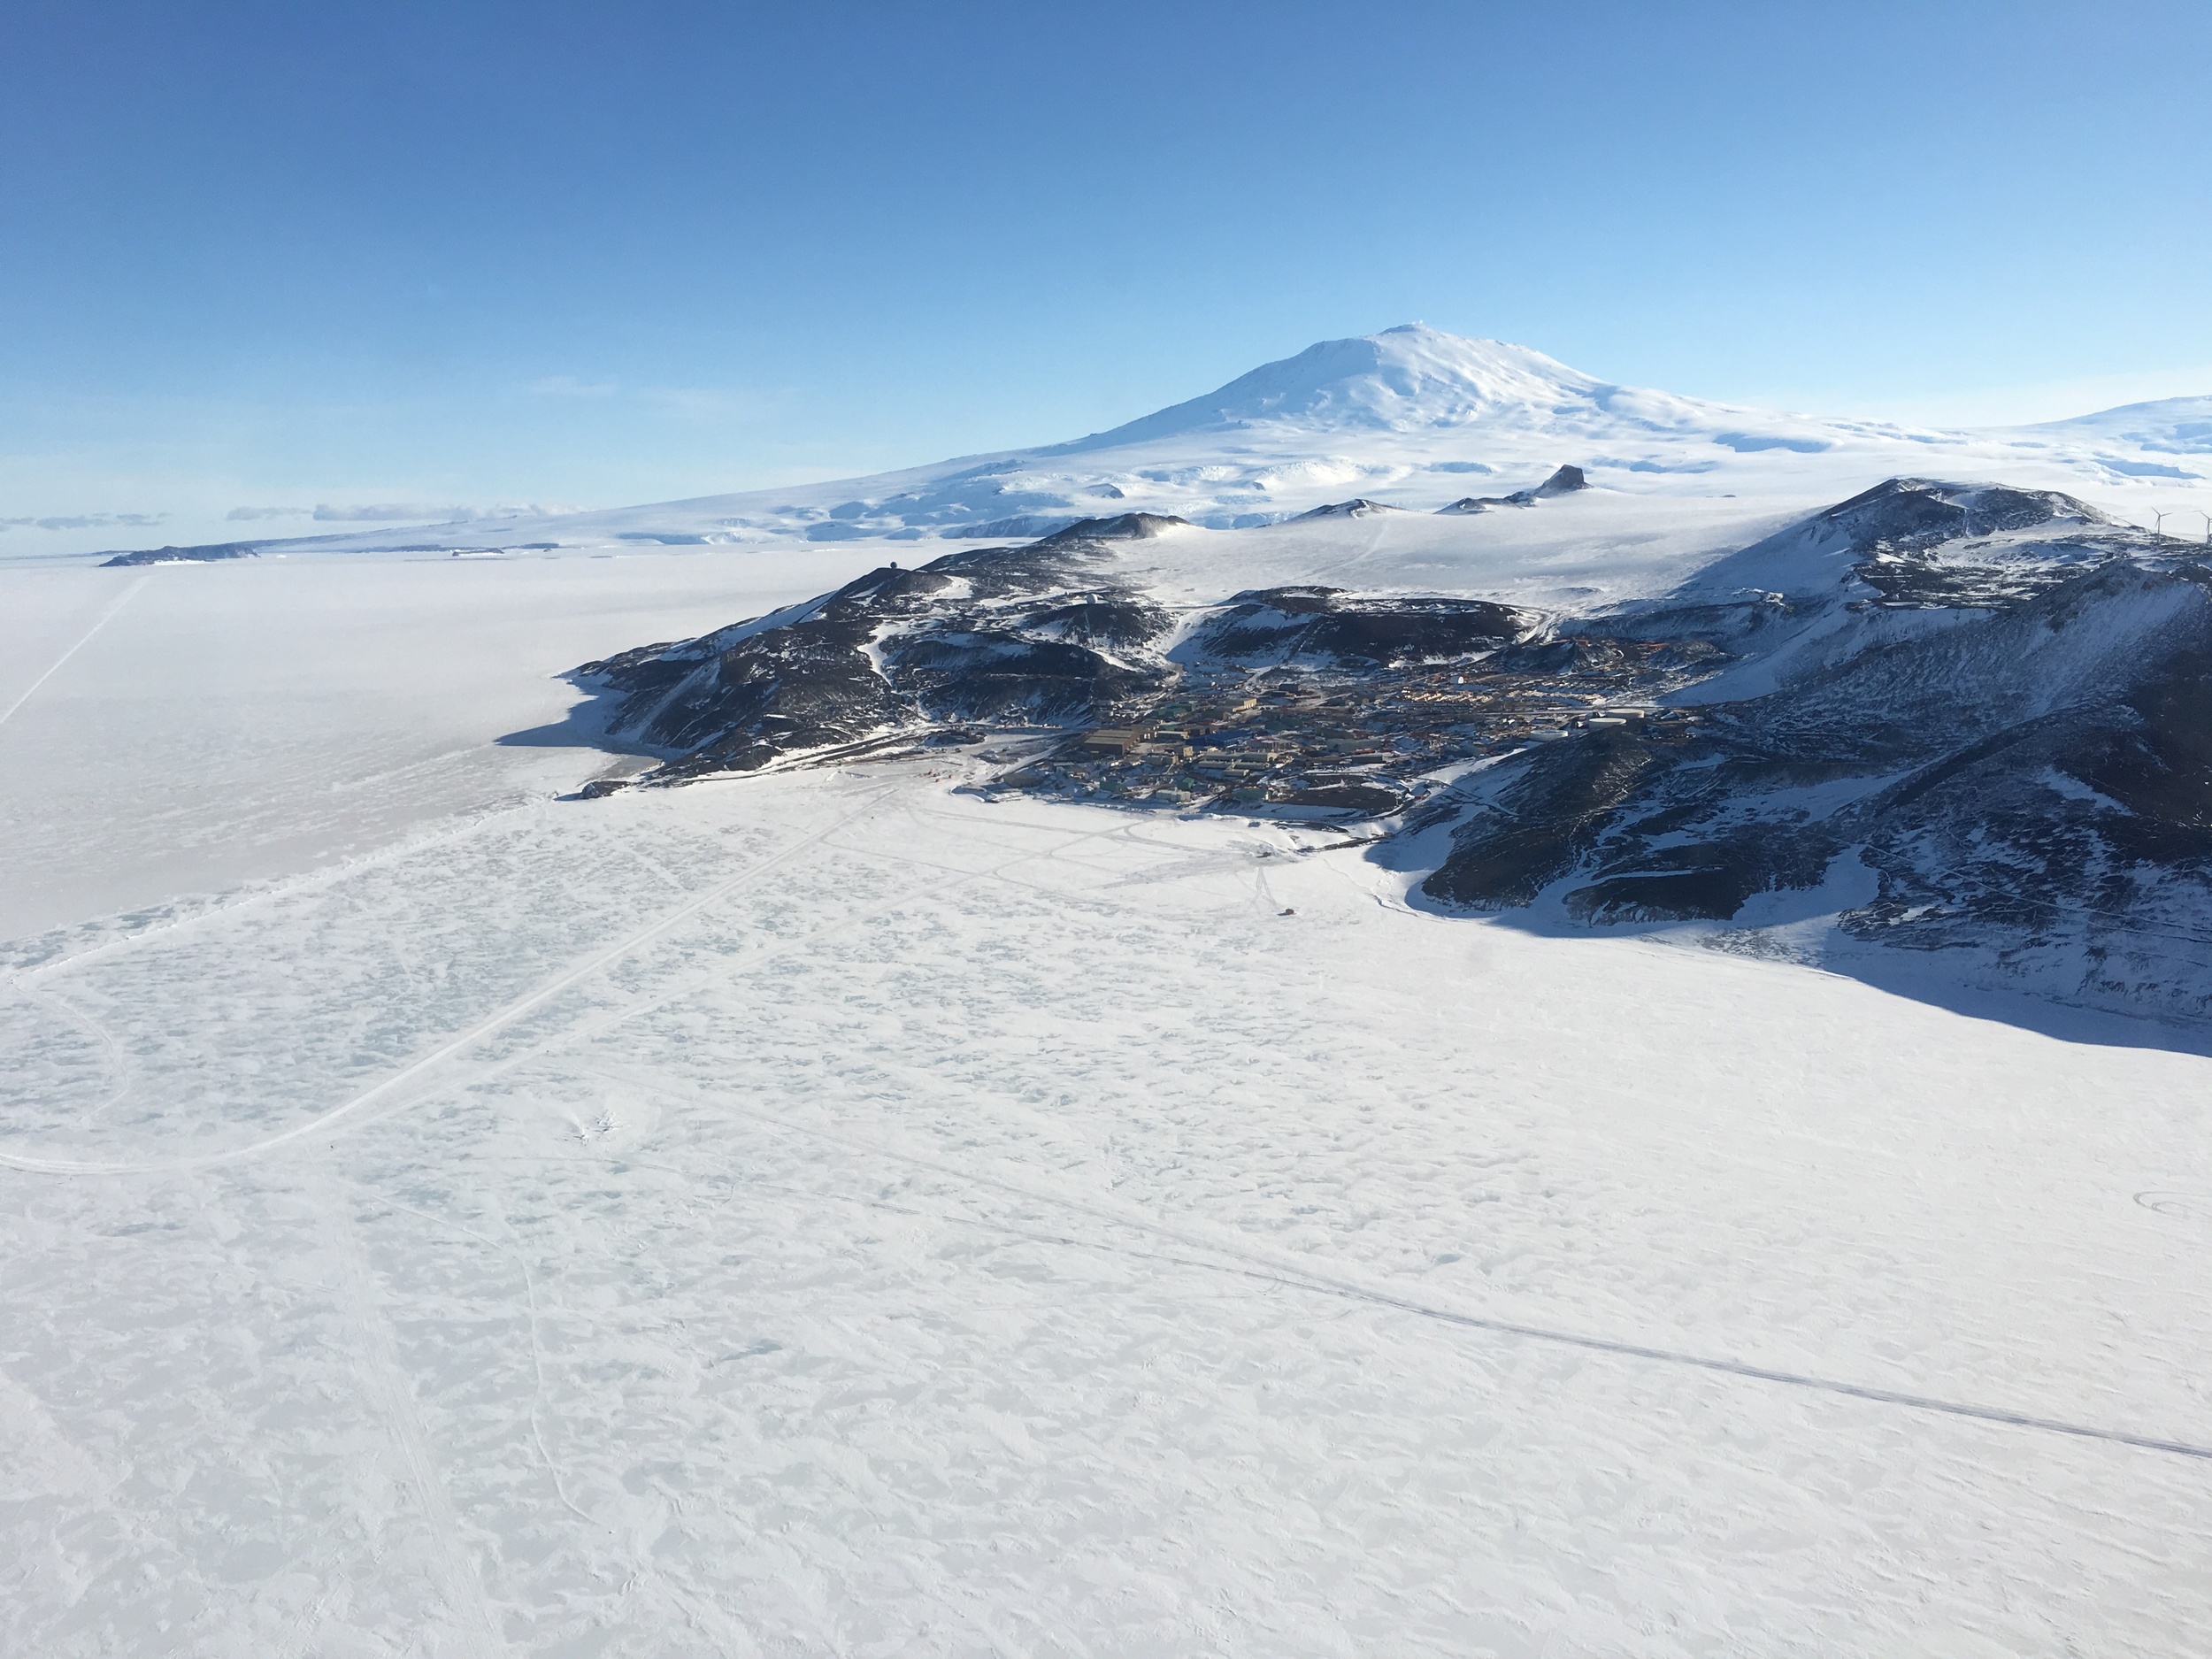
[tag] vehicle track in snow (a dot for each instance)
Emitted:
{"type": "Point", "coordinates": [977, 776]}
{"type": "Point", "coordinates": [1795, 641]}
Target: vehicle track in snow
{"type": "Point", "coordinates": [514, 1250]}
{"type": "Point", "coordinates": [84, 639]}
{"type": "Point", "coordinates": [391, 1395]}
{"type": "Point", "coordinates": [323, 1122]}
{"type": "Point", "coordinates": [1230, 1252]}
{"type": "Point", "coordinates": [725, 971]}
{"type": "Point", "coordinates": [1261, 1264]}
{"type": "Point", "coordinates": [350, 1113]}
{"type": "Point", "coordinates": [119, 1066]}
{"type": "Point", "coordinates": [283, 887]}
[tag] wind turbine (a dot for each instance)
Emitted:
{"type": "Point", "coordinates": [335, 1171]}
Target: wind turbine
{"type": "Point", "coordinates": [2158, 521]}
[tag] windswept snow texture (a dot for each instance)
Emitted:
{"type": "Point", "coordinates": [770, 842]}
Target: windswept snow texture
{"type": "Point", "coordinates": [821, 1214]}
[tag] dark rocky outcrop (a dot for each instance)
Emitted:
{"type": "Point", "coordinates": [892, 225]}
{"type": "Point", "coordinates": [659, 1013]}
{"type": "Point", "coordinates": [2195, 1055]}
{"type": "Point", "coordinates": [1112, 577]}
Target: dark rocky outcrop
{"type": "Point", "coordinates": [207, 553]}
{"type": "Point", "coordinates": [1359, 507]}
{"type": "Point", "coordinates": [1326, 627]}
{"type": "Point", "coordinates": [1564, 481]}
{"type": "Point", "coordinates": [1043, 632]}
{"type": "Point", "coordinates": [2028, 779]}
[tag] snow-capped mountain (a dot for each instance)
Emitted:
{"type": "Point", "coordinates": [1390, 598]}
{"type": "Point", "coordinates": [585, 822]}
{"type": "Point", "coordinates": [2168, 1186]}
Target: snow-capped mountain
{"type": "Point", "coordinates": [1409, 379]}
{"type": "Point", "coordinates": [1412, 418]}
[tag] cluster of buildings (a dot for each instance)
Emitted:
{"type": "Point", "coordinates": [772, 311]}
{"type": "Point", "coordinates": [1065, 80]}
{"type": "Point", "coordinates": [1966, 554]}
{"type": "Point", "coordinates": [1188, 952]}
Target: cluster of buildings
{"type": "Point", "coordinates": [1351, 744]}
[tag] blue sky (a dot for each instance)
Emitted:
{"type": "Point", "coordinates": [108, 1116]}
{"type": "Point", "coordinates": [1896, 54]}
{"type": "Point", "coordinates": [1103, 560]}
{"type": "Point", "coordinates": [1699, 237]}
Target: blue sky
{"type": "Point", "coordinates": [467, 254]}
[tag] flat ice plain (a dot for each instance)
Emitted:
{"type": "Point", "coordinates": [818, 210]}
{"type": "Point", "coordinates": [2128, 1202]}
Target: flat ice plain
{"type": "Point", "coordinates": [826, 1213]}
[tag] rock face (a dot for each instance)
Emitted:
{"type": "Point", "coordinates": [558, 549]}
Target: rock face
{"type": "Point", "coordinates": [1325, 627]}
{"type": "Point", "coordinates": [1995, 726]}
{"type": "Point", "coordinates": [204, 554]}
{"type": "Point", "coordinates": [1042, 634]}
{"type": "Point", "coordinates": [1565, 481]}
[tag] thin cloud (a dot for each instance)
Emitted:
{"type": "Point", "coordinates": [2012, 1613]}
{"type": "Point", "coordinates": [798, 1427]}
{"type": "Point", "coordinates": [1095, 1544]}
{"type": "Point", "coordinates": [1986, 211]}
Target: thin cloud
{"type": "Point", "coordinates": [248, 514]}
{"type": "Point", "coordinates": [683, 402]}
{"type": "Point", "coordinates": [419, 512]}
{"type": "Point", "coordinates": [391, 512]}
{"type": "Point", "coordinates": [84, 521]}
{"type": "Point", "coordinates": [569, 385]}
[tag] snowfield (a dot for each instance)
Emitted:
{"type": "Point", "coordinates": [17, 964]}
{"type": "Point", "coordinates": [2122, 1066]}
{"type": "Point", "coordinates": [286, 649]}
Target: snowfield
{"type": "Point", "coordinates": [200, 725]}
{"type": "Point", "coordinates": [831, 1213]}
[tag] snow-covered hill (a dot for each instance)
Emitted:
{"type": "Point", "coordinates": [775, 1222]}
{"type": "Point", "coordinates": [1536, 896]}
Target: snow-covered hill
{"type": "Point", "coordinates": [1977, 707]}
{"type": "Point", "coordinates": [1958, 720]}
{"type": "Point", "coordinates": [2171, 426]}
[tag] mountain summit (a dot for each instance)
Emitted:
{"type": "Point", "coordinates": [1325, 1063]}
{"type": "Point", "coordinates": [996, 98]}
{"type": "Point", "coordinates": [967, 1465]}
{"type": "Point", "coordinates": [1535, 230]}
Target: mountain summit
{"type": "Point", "coordinates": [1409, 379]}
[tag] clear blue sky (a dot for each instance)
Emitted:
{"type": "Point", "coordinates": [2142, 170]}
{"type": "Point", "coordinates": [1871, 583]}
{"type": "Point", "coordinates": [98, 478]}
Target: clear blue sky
{"type": "Point", "coordinates": [599, 253]}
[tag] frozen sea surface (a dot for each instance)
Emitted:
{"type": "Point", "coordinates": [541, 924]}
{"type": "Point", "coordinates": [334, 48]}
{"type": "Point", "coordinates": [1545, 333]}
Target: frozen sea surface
{"type": "Point", "coordinates": [826, 1213]}
{"type": "Point", "coordinates": [185, 729]}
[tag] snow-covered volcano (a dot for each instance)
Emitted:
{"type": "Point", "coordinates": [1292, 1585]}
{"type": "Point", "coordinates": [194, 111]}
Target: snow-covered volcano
{"type": "Point", "coordinates": [1409, 379]}
{"type": "Point", "coordinates": [1411, 417]}
{"type": "Point", "coordinates": [2177, 428]}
